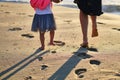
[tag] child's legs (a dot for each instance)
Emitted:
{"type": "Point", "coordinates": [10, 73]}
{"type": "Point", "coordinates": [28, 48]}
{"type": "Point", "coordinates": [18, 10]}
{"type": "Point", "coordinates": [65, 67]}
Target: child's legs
{"type": "Point", "coordinates": [84, 26]}
{"type": "Point", "coordinates": [42, 39]}
{"type": "Point", "coordinates": [52, 32]}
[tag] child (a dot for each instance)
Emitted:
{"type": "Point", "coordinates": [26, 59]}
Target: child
{"type": "Point", "coordinates": [43, 20]}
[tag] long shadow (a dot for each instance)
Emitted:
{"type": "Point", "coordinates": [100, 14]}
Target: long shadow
{"type": "Point", "coordinates": [14, 66]}
{"type": "Point", "coordinates": [67, 67]}
{"type": "Point", "coordinates": [22, 62]}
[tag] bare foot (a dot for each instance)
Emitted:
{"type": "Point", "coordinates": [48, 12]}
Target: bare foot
{"type": "Point", "coordinates": [94, 33]}
{"type": "Point", "coordinates": [85, 45]}
{"type": "Point", "coordinates": [52, 44]}
{"type": "Point", "coordinates": [41, 48]}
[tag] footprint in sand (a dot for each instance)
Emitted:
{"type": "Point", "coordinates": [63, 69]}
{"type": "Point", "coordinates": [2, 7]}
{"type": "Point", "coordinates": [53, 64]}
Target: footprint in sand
{"type": "Point", "coordinates": [111, 74]}
{"type": "Point", "coordinates": [40, 58]}
{"type": "Point", "coordinates": [68, 21]}
{"type": "Point", "coordinates": [28, 78]}
{"type": "Point", "coordinates": [28, 35]}
{"type": "Point", "coordinates": [117, 74]}
{"type": "Point", "coordinates": [79, 72]}
{"type": "Point", "coordinates": [53, 51]}
{"type": "Point", "coordinates": [7, 12]}
{"type": "Point", "coordinates": [15, 29]}
{"type": "Point", "coordinates": [30, 15]}
{"type": "Point", "coordinates": [92, 49]}
{"type": "Point", "coordinates": [59, 43]}
{"type": "Point", "coordinates": [43, 67]}
{"type": "Point", "coordinates": [94, 64]}
{"type": "Point", "coordinates": [116, 29]}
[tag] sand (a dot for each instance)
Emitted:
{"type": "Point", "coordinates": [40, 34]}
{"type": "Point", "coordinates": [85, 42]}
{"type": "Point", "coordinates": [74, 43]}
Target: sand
{"type": "Point", "coordinates": [20, 58]}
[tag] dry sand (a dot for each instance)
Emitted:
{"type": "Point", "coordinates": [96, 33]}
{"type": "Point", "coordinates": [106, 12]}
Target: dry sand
{"type": "Point", "coordinates": [20, 58]}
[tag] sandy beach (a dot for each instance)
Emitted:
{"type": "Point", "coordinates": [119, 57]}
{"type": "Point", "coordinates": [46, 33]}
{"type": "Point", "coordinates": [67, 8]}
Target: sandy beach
{"type": "Point", "coordinates": [20, 58]}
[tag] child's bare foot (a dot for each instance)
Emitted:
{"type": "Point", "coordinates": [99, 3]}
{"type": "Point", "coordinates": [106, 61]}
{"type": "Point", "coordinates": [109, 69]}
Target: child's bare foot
{"type": "Point", "coordinates": [41, 48]}
{"type": "Point", "coordinates": [85, 45]}
{"type": "Point", "coordinates": [52, 44]}
{"type": "Point", "coordinates": [94, 33]}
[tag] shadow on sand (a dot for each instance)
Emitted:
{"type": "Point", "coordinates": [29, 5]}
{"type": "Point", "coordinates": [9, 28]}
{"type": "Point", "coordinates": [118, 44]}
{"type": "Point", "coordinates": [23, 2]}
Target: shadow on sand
{"type": "Point", "coordinates": [67, 67]}
{"type": "Point", "coordinates": [28, 60]}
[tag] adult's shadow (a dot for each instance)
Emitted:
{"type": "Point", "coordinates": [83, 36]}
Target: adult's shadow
{"type": "Point", "coordinates": [67, 67]}
{"type": "Point", "coordinates": [25, 62]}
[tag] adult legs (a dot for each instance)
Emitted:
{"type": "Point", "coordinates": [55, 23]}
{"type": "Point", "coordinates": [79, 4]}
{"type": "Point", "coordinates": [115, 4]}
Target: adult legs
{"type": "Point", "coordinates": [84, 27]}
{"type": "Point", "coordinates": [94, 26]}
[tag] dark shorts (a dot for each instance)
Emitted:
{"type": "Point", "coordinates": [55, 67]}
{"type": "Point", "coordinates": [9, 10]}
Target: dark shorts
{"type": "Point", "coordinates": [90, 7]}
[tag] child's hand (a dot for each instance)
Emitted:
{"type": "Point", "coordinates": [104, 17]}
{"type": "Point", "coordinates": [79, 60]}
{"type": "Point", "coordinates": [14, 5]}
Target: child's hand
{"type": "Point", "coordinates": [57, 1]}
{"type": "Point", "coordinates": [75, 1]}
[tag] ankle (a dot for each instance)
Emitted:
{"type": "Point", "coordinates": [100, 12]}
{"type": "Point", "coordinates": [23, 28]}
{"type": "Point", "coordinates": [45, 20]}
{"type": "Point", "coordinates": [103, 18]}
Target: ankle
{"type": "Point", "coordinates": [51, 43]}
{"type": "Point", "coordinates": [85, 43]}
{"type": "Point", "coordinates": [42, 48]}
